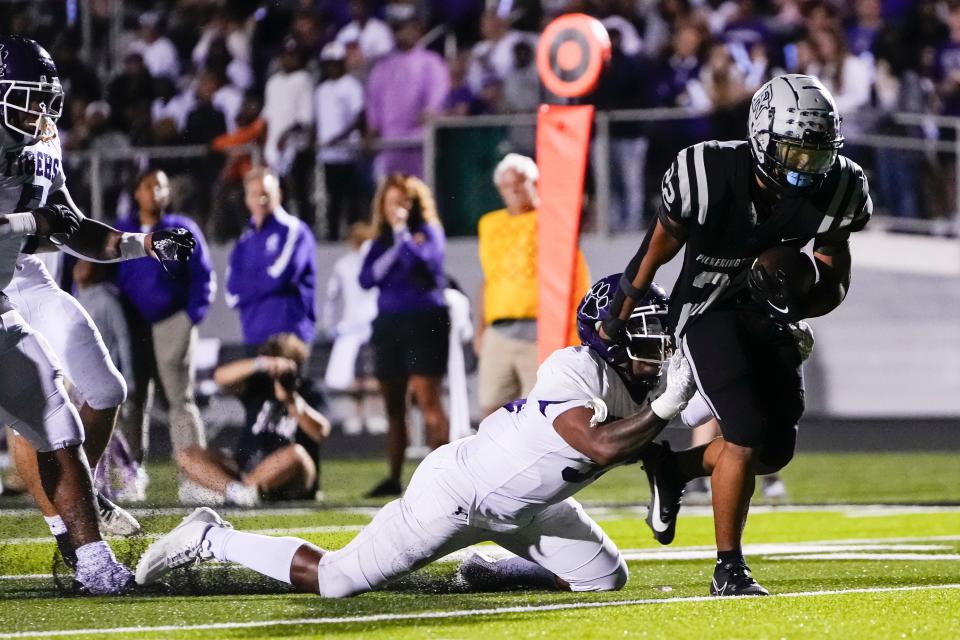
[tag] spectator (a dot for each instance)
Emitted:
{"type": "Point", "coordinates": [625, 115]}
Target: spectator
{"type": "Point", "coordinates": [721, 87]}
{"type": "Point", "coordinates": [288, 111]}
{"type": "Point", "coordinates": [272, 276]}
{"type": "Point", "coordinates": [227, 27]}
{"type": "Point", "coordinates": [867, 24]}
{"type": "Point", "coordinates": [130, 93]}
{"type": "Point", "coordinates": [506, 336]}
{"type": "Point", "coordinates": [276, 456]}
{"type": "Point", "coordinates": [372, 34]}
{"type": "Point", "coordinates": [251, 130]}
{"type": "Point", "coordinates": [494, 55]}
{"type": "Point", "coordinates": [158, 52]}
{"type": "Point", "coordinates": [404, 89]}
{"type": "Point", "coordinates": [166, 310]}
{"type": "Point", "coordinates": [624, 86]}
{"type": "Point", "coordinates": [351, 331]}
{"type": "Point", "coordinates": [521, 88]}
{"type": "Point", "coordinates": [205, 121]}
{"type": "Point", "coordinates": [411, 331]}
{"type": "Point", "coordinates": [461, 101]}
{"type": "Point", "coordinates": [845, 75]}
{"type": "Point", "coordinates": [339, 109]}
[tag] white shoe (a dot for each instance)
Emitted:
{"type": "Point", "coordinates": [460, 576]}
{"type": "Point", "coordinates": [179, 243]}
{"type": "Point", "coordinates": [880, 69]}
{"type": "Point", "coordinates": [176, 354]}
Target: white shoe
{"type": "Point", "coordinates": [376, 425]}
{"type": "Point", "coordinates": [773, 488]}
{"type": "Point", "coordinates": [184, 545]}
{"type": "Point", "coordinates": [134, 490]}
{"type": "Point", "coordinates": [242, 495]}
{"type": "Point", "coordinates": [101, 574]}
{"type": "Point", "coordinates": [114, 520]}
{"type": "Point", "coordinates": [352, 425]}
{"type": "Point", "coordinates": [192, 494]}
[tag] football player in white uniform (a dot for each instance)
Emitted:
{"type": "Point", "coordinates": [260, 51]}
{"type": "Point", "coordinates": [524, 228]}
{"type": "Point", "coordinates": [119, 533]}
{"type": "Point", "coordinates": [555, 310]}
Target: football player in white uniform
{"type": "Point", "coordinates": [512, 483]}
{"type": "Point", "coordinates": [32, 178]}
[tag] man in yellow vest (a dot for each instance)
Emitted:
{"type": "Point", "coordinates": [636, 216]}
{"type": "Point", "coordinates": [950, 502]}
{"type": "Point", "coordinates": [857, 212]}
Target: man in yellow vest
{"type": "Point", "coordinates": [506, 337]}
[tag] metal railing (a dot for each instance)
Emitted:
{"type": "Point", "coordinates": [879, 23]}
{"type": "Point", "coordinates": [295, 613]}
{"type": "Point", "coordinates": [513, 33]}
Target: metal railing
{"type": "Point", "coordinates": [601, 145]}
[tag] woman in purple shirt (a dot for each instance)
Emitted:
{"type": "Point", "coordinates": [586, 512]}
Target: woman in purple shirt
{"type": "Point", "coordinates": [411, 331]}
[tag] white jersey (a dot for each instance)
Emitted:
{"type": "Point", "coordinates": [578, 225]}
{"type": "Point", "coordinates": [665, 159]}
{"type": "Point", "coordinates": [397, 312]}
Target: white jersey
{"type": "Point", "coordinates": [27, 177]}
{"type": "Point", "coordinates": [518, 464]}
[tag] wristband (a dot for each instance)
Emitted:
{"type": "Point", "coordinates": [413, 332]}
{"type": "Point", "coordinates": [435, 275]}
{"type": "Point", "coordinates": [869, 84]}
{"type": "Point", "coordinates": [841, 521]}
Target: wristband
{"type": "Point", "coordinates": [599, 411]}
{"type": "Point", "coordinates": [664, 409]}
{"type": "Point", "coordinates": [626, 286]}
{"type": "Point", "coordinates": [18, 224]}
{"type": "Point", "coordinates": [131, 246]}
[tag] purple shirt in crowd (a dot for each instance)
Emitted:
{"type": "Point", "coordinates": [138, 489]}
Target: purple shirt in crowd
{"type": "Point", "coordinates": [409, 274]}
{"type": "Point", "coordinates": [272, 279]}
{"type": "Point", "coordinates": [156, 294]}
{"type": "Point", "coordinates": [401, 88]}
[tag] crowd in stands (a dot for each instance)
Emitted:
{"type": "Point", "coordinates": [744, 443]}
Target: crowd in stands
{"type": "Point", "coordinates": [318, 84]}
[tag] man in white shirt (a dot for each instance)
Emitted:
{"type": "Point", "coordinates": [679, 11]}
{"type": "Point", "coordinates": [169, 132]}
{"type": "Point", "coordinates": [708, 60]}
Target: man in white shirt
{"type": "Point", "coordinates": [373, 35]}
{"type": "Point", "coordinates": [288, 110]}
{"type": "Point", "coordinates": [339, 104]}
{"type": "Point", "coordinates": [157, 50]}
{"type": "Point", "coordinates": [511, 483]}
{"type": "Point", "coordinates": [493, 56]}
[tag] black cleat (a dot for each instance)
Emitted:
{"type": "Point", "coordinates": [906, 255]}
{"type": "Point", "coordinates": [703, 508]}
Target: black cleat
{"type": "Point", "coordinates": [734, 579]}
{"type": "Point", "coordinates": [666, 491]}
{"type": "Point", "coordinates": [67, 552]}
{"type": "Point", "coordinates": [388, 487]}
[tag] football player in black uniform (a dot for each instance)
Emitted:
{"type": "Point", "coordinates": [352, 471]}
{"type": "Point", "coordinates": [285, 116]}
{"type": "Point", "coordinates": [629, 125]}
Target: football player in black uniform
{"type": "Point", "coordinates": [727, 202]}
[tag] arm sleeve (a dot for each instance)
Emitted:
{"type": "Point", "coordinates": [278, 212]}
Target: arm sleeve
{"type": "Point", "coordinates": [367, 280]}
{"type": "Point", "coordinates": [373, 98]}
{"type": "Point", "coordinates": [439, 86]}
{"type": "Point", "coordinates": [203, 281]}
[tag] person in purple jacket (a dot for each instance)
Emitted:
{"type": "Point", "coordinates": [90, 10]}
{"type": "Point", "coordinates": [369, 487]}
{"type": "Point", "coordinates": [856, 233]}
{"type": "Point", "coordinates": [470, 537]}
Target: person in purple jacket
{"type": "Point", "coordinates": [411, 330]}
{"type": "Point", "coordinates": [165, 305]}
{"type": "Point", "coordinates": [272, 278]}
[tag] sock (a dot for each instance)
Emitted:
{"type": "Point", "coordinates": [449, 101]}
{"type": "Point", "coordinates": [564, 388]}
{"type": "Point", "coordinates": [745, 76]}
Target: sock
{"type": "Point", "coordinates": [266, 555]}
{"type": "Point", "coordinates": [734, 556]}
{"type": "Point", "coordinates": [56, 524]}
{"type": "Point", "coordinates": [524, 573]}
{"type": "Point", "coordinates": [95, 554]}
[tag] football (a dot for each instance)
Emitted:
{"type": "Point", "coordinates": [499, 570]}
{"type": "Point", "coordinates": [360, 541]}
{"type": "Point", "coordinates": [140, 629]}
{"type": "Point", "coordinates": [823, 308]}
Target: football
{"type": "Point", "coordinates": [797, 267]}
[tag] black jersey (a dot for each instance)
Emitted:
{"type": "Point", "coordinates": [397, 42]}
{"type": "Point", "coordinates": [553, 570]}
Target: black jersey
{"type": "Point", "coordinates": [707, 201]}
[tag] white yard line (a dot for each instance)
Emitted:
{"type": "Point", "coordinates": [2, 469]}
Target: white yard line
{"type": "Point", "coordinates": [439, 615]}
{"type": "Point", "coordinates": [284, 531]}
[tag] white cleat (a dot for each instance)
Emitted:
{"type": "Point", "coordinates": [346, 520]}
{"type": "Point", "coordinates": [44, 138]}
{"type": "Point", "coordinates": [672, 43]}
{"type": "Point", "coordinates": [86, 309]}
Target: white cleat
{"type": "Point", "coordinates": [114, 520]}
{"type": "Point", "coordinates": [186, 544]}
{"type": "Point", "coordinates": [773, 489]}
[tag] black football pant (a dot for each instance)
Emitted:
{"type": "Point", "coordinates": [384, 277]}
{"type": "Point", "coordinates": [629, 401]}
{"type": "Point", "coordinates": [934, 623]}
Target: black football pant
{"type": "Point", "coordinates": [747, 367]}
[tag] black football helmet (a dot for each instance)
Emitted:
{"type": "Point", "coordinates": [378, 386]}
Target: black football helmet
{"type": "Point", "coordinates": [31, 96]}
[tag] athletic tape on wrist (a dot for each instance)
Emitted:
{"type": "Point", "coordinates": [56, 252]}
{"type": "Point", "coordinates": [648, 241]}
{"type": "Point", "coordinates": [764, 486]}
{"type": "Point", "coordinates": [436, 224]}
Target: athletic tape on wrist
{"type": "Point", "coordinates": [18, 224]}
{"type": "Point", "coordinates": [131, 246]}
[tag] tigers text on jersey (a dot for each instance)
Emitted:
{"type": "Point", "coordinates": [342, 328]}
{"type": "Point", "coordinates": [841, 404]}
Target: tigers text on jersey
{"type": "Point", "coordinates": [27, 176]}
{"type": "Point", "coordinates": [707, 194]}
{"type": "Point", "coordinates": [517, 464]}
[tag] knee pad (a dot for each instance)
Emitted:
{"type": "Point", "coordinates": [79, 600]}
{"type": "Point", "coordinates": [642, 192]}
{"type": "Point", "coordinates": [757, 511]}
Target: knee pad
{"type": "Point", "coordinates": [104, 388]}
{"type": "Point", "coordinates": [335, 583]}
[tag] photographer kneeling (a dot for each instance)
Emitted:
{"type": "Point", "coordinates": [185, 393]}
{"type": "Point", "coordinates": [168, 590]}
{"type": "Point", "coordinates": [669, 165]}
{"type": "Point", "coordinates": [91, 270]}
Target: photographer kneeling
{"type": "Point", "coordinates": [275, 458]}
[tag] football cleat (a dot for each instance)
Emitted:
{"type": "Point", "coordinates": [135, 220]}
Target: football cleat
{"type": "Point", "coordinates": [114, 520]}
{"type": "Point", "coordinates": [734, 579]}
{"type": "Point", "coordinates": [386, 488]}
{"type": "Point", "coordinates": [772, 488]}
{"type": "Point", "coordinates": [185, 544]}
{"type": "Point", "coordinates": [477, 573]}
{"type": "Point", "coordinates": [666, 491]}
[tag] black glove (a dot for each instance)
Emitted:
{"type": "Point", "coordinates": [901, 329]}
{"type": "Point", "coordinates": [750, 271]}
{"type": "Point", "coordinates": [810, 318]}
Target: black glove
{"type": "Point", "coordinates": [616, 330]}
{"type": "Point", "coordinates": [175, 245]}
{"type": "Point", "coordinates": [773, 292]}
{"type": "Point", "coordinates": [57, 222]}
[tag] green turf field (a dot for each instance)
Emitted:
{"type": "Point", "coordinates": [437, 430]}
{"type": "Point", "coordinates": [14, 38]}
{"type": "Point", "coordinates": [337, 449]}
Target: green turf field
{"type": "Point", "coordinates": [843, 570]}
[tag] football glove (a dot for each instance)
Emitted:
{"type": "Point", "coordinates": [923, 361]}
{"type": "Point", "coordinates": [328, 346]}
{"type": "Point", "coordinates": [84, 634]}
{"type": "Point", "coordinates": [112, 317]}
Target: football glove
{"type": "Point", "coordinates": [616, 330]}
{"type": "Point", "coordinates": [773, 292]}
{"type": "Point", "coordinates": [57, 222]}
{"type": "Point", "coordinates": [174, 245]}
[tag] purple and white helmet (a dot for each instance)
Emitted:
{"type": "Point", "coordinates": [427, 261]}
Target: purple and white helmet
{"type": "Point", "coordinates": [648, 331]}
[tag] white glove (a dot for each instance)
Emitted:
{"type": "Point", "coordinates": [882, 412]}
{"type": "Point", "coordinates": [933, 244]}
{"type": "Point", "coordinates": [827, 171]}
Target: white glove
{"type": "Point", "coordinates": [803, 334]}
{"type": "Point", "coordinates": [680, 388]}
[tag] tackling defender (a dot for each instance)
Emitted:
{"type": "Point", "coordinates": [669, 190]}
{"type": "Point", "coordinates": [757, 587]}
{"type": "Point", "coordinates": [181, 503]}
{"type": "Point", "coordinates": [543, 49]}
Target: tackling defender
{"type": "Point", "coordinates": [727, 202]}
{"type": "Point", "coordinates": [511, 483]}
{"type": "Point", "coordinates": [32, 178]}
